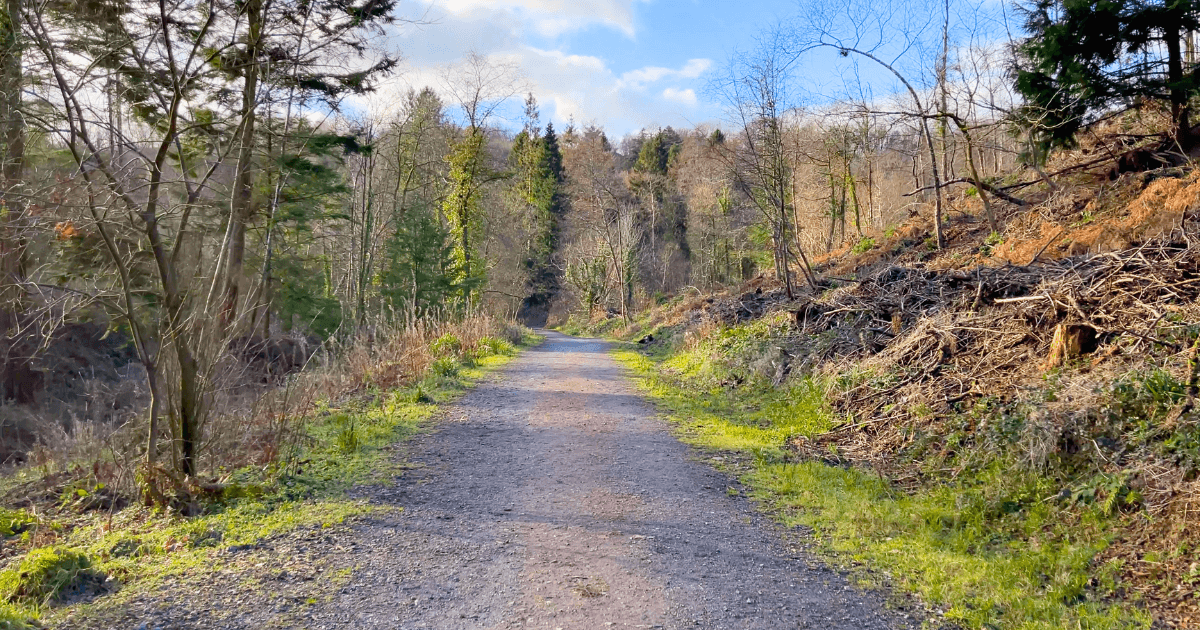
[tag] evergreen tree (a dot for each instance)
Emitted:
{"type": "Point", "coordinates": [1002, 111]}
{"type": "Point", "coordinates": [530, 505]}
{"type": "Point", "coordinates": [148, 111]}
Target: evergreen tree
{"type": "Point", "coordinates": [1084, 57]}
{"type": "Point", "coordinates": [538, 188]}
{"type": "Point", "coordinates": [417, 280]}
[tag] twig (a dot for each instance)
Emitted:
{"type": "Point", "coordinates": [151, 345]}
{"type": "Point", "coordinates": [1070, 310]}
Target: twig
{"type": "Point", "coordinates": [1047, 246]}
{"type": "Point", "coordinates": [1027, 298]}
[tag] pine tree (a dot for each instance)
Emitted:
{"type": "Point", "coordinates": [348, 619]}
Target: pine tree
{"type": "Point", "coordinates": [1084, 58]}
{"type": "Point", "coordinates": [538, 189]}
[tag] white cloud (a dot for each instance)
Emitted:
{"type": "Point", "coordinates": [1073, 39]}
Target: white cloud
{"type": "Point", "coordinates": [555, 17]}
{"type": "Point", "coordinates": [653, 74]}
{"type": "Point", "coordinates": [569, 86]}
{"type": "Point", "coordinates": [695, 68]}
{"type": "Point", "coordinates": [686, 97]}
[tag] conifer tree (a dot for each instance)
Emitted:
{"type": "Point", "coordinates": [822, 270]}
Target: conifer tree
{"type": "Point", "coordinates": [1083, 58]}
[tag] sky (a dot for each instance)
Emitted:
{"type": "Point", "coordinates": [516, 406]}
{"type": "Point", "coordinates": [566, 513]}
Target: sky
{"type": "Point", "coordinates": [622, 64]}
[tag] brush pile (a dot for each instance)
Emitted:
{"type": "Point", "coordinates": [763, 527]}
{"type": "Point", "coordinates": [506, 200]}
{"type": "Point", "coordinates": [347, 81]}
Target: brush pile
{"type": "Point", "coordinates": [1079, 366]}
{"type": "Point", "coordinates": [941, 340]}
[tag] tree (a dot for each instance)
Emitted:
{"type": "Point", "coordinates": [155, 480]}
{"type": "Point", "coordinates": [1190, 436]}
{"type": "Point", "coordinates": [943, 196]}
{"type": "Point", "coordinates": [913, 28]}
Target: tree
{"type": "Point", "coordinates": [537, 164]}
{"type": "Point", "coordinates": [1083, 58]}
{"type": "Point", "coordinates": [757, 91]}
{"type": "Point", "coordinates": [417, 279]}
{"type": "Point", "coordinates": [167, 49]}
{"type": "Point", "coordinates": [12, 205]}
{"type": "Point", "coordinates": [480, 87]}
{"type": "Point", "coordinates": [602, 223]}
{"type": "Point", "coordinates": [288, 45]}
{"type": "Point", "coordinates": [860, 30]}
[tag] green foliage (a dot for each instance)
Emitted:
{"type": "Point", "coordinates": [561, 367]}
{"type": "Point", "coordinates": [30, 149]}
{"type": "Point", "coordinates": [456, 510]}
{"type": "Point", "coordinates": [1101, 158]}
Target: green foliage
{"type": "Point", "coordinates": [491, 346]}
{"type": "Point", "coordinates": [864, 245]}
{"type": "Point", "coordinates": [1143, 397]}
{"type": "Point", "coordinates": [445, 367]}
{"type": "Point", "coordinates": [43, 575]}
{"type": "Point", "coordinates": [589, 277]}
{"type": "Point", "coordinates": [417, 279]}
{"type": "Point", "coordinates": [462, 208]}
{"type": "Point", "coordinates": [658, 153]}
{"type": "Point", "coordinates": [1085, 58]}
{"type": "Point", "coordinates": [347, 437]}
{"type": "Point", "coordinates": [447, 345]}
{"type": "Point", "coordinates": [305, 292]}
{"type": "Point", "coordinates": [538, 195]}
{"type": "Point", "coordinates": [989, 244]}
{"type": "Point", "coordinates": [313, 193]}
{"type": "Point", "coordinates": [13, 522]}
{"type": "Point", "coordinates": [12, 619]}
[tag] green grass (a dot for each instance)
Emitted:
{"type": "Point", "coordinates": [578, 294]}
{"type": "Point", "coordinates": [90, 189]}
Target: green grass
{"type": "Point", "coordinates": [986, 550]}
{"type": "Point", "coordinates": [13, 522]}
{"type": "Point", "coordinates": [43, 575]}
{"type": "Point", "coordinates": [342, 447]}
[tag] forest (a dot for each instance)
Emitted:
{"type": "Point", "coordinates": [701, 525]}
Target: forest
{"type": "Point", "coordinates": [197, 181]}
{"type": "Point", "coordinates": [214, 219]}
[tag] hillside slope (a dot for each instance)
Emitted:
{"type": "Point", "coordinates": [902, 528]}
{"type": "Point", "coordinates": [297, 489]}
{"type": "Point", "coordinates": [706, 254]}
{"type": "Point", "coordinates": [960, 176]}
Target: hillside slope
{"type": "Point", "coordinates": [1036, 385]}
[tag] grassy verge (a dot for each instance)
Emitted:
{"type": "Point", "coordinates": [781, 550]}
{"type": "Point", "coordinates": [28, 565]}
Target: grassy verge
{"type": "Point", "coordinates": [988, 549]}
{"type": "Point", "coordinates": [342, 445]}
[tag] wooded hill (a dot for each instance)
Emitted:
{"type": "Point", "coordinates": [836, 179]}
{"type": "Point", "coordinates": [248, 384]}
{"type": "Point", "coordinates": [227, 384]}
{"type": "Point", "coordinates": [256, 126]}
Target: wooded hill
{"type": "Point", "coordinates": [196, 205]}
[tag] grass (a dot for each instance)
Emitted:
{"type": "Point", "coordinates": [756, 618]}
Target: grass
{"type": "Point", "coordinates": [343, 447]}
{"type": "Point", "coordinates": [987, 550]}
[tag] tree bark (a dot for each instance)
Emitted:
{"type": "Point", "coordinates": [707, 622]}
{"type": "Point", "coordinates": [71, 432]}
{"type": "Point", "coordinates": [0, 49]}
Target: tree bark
{"type": "Point", "coordinates": [12, 206]}
{"type": "Point", "coordinates": [1180, 121]}
{"type": "Point", "coordinates": [240, 207]}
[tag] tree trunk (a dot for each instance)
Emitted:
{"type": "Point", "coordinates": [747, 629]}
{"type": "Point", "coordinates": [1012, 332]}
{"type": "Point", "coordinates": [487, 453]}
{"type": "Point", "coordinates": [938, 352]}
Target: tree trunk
{"type": "Point", "coordinates": [1180, 121]}
{"type": "Point", "coordinates": [240, 208]}
{"type": "Point", "coordinates": [12, 206]}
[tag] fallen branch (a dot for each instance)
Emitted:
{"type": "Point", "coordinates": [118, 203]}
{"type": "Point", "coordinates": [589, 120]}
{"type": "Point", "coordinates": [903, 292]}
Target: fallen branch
{"type": "Point", "coordinates": [1027, 298]}
{"type": "Point", "coordinates": [986, 187]}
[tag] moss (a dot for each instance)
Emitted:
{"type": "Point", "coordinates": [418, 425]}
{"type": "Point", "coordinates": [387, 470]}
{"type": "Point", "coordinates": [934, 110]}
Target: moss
{"type": "Point", "coordinates": [43, 575]}
{"type": "Point", "coordinates": [986, 547]}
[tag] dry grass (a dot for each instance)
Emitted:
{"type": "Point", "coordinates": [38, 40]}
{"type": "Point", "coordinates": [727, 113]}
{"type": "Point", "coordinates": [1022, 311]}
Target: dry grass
{"type": "Point", "coordinates": [248, 422]}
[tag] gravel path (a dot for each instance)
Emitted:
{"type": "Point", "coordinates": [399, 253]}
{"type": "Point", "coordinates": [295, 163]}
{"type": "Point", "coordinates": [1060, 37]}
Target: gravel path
{"type": "Point", "coordinates": [552, 497]}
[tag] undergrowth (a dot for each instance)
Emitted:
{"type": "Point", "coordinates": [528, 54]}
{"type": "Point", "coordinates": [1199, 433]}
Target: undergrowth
{"type": "Point", "coordinates": [988, 546]}
{"type": "Point", "coordinates": [344, 444]}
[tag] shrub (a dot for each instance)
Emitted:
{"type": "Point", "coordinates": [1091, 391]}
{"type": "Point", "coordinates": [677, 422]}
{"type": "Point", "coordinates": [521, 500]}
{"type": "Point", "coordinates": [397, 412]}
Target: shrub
{"type": "Point", "coordinates": [865, 245]}
{"type": "Point", "coordinates": [488, 346]}
{"type": "Point", "coordinates": [448, 345]}
{"type": "Point", "coordinates": [445, 366]}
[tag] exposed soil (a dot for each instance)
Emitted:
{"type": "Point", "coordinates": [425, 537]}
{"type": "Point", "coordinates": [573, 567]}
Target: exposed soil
{"type": "Point", "coordinates": [551, 496]}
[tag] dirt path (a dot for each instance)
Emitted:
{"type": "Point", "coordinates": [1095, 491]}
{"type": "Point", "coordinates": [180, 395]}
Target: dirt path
{"type": "Point", "coordinates": [553, 498]}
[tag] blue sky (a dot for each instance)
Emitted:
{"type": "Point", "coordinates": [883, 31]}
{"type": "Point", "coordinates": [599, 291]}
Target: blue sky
{"type": "Point", "coordinates": [623, 64]}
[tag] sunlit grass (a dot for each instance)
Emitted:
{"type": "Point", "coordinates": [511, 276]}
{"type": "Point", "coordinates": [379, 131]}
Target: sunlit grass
{"type": "Point", "coordinates": [983, 552]}
{"type": "Point", "coordinates": [344, 446]}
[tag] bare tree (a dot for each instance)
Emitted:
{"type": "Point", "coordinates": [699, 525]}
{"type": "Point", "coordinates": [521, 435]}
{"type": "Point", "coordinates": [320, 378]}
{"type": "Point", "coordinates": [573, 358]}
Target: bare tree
{"type": "Point", "coordinates": [756, 89]}
{"type": "Point", "coordinates": [886, 37]}
{"type": "Point", "coordinates": [170, 45]}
